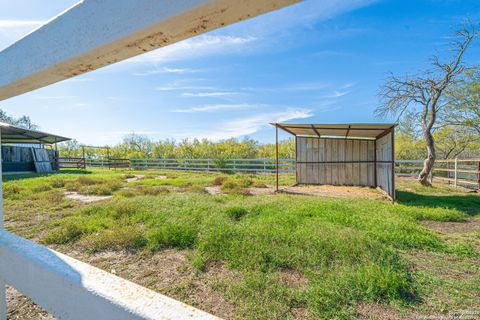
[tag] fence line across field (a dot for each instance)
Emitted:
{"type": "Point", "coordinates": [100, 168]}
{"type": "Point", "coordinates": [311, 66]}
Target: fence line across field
{"type": "Point", "coordinates": [463, 172]}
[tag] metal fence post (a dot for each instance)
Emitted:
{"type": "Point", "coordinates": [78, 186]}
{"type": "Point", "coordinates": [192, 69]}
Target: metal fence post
{"type": "Point", "coordinates": [455, 173]}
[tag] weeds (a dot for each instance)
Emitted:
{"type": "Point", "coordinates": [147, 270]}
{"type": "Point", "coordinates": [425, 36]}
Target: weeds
{"type": "Point", "coordinates": [349, 251]}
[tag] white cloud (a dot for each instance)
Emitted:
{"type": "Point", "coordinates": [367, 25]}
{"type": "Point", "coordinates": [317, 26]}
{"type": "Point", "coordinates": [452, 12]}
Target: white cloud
{"type": "Point", "coordinates": [56, 97]}
{"type": "Point", "coordinates": [176, 87]}
{"type": "Point", "coordinates": [247, 125]}
{"type": "Point", "coordinates": [336, 94]}
{"type": "Point", "coordinates": [19, 24]}
{"type": "Point", "coordinates": [166, 70]}
{"type": "Point", "coordinates": [218, 107]}
{"type": "Point", "coordinates": [196, 47]}
{"type": "Point", "coordinates": [209, 94]}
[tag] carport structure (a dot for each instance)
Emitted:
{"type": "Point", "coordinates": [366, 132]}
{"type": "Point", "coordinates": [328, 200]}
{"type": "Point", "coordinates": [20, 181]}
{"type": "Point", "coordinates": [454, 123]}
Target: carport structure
{"type": "Point", "coordinates": [344, 154]}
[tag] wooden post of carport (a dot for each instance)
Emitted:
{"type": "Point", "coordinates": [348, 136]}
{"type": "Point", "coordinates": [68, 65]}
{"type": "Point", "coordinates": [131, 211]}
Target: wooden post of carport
{"type": "Point", "coordinates": [56, 157]}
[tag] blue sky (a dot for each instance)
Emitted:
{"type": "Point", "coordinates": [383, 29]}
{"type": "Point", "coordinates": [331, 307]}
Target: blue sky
{"type": "Point", "coordinates": [315, 62]}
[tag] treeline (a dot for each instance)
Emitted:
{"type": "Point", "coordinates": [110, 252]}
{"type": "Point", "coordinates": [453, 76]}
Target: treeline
{"type": "Point", "coordinates": [451, 142]}
{"type": "Point", "coordinates": [138, 146]}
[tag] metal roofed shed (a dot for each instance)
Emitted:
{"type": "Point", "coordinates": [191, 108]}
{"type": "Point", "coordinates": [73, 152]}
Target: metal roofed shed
{"type": "Point", "coordinates": [14, 134]}
{"type": "Point", "coordinates": [344, 154]}
{"type": "Point", "coordinates": [23, 149]}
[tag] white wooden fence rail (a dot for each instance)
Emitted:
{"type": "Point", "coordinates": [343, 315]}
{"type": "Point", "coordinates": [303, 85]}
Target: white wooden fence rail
{"type": "Point", "coordinates": [70, 289]}
{"type": "Point", "coordinates": [458, 172]}
{"type": "Point", "coordinates": [465, 172]}
{"type": "Point", "coordinates": [234, 165]}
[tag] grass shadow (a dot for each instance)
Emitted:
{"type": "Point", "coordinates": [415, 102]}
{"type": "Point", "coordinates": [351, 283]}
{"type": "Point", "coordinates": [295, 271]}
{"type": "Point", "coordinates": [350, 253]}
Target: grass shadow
{"type": "Point", "coordinates": [468, 203]}
{"type": "Point", "coordinates": [14, 177]}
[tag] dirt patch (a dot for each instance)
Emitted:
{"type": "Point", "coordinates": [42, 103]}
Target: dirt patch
{"type": "Point", "coordinates": [261, 191]}
{"type": "Point", "coordinates": [22, 308]}
{"type": "Point", "coordinates": [214, 190]}
{"type": "Point", "coordinates": [336, 191]}
{"type": "Point", "coordinates": [292, 278]}
{"type": "Point", "coordinates": [379, 311]}
{"type": "Point", "coordinates": [161, 177]}
{"type": "Point", "coordinates": [84, 198]}
{"type": "Point", "coordinates": [136, 178]}
{"type": "Point", "coordinates": [467, 226]}
{"type": "Point", "coordinates": [168, 272]}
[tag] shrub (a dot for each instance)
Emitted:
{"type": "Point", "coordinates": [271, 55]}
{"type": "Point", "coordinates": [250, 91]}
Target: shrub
{"type": "Point", "coordinates": [143, 191]}
{"type": "Point", "coordinates": [86, 181]}
{"type": "Point", "coordinates": [236, 213]}
{"type": "Point", "coordinates": [42, 187]}
{"type": "Point", "coordinates": [54, 196]}
{"type": "Point", "coordinates": [218, 181]}
{"type": "Point", "coordinates": [128, 193]}
{"type": "Point", "coordinates": [57, 182]}
{"type": "Point", "coordinates": [196, 189]}
{"type": "Point", "coordinates": [69, 231]}
{"type": "Point", "coordinates": [229, 185]}
{"type": "Point", "coordinates": [124, 209]}
{"type": "Point", "coordinates": [12, 190]}
{"type": "Point", "coordinates": [118, 238]}
{"type": "Point", "coordinates": [173, 235]}
{"type": "Point", "coordinates": [259, 184]}
{"type": "Point", "coordinates": [232, 187]}
{"type": "Point", "coordinates": [105, 188]}
{"type": "Point", "coordinates": [245, 182]}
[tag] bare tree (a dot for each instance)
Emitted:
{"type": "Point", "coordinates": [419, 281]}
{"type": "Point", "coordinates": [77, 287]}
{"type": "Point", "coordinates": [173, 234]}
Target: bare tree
{"type": "Point", "coordinates": [424, 93]}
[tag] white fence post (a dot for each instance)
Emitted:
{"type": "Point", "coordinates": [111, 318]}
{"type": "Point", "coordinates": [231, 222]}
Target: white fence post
{"type": "Point", "coordinates": [455, 176]}
{"type": "Point", "coordinates": [3, 294]}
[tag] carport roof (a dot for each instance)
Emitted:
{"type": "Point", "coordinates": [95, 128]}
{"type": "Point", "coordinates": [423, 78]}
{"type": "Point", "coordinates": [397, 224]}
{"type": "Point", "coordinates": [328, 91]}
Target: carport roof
{"type": "Point", "coordinates": [344, 130]}
{"type": "Point", "coordinates": [14, 134]}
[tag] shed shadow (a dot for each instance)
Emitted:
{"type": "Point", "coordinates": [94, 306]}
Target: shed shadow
{"type": "Point", "coordinates": [468, 203]}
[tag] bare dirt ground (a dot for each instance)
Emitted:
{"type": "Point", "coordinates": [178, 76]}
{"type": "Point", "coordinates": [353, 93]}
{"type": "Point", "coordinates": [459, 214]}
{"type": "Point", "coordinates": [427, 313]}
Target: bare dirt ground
{"type": "Point", "coordinates": [314, 190]}
{"type": "Point", "coordinates": [168, 272]}
{"type": "Point", "coordinates": [20, 307]}
{"type": "Point", "coordinates": [85, 198]}
{"type": "Point", "coordinates": [467, 226]}
{"type": "Point", "coordinates": [336, 191]}
{"type": "Point", "coordinates": [136, 178]}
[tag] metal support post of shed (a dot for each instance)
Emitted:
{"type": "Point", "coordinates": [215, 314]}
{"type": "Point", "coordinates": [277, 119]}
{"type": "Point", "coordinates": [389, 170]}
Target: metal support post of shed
{"type": "Point", "coordinates": [276, 151]}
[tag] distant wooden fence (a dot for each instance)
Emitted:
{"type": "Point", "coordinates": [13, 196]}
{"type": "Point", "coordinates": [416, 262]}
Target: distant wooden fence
{"type": "Point", "coordinates": [235, 165]}
{"type": "Point", "coordinates": [70, 163]}
{"type": "Point", "coordinates": [458, 172]}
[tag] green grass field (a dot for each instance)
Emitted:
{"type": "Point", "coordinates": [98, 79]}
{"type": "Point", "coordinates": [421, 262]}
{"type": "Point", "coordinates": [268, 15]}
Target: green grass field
{"type": "Point", "coordinates": [265, 256]}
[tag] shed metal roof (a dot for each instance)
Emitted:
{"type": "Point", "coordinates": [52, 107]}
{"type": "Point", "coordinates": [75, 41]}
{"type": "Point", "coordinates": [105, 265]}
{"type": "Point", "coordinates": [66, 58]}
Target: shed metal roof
{"type": "Point", "coordinates": [14, 134]}
{"type": "Point", "coordinates": [344, 130]}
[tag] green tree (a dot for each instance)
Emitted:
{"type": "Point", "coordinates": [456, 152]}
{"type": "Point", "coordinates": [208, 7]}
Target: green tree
{"type": "Point", "coordinates": [424, 94]}
{"type": "Point", "coordinates": [463, 103]}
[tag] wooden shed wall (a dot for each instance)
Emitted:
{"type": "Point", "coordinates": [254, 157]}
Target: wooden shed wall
{"type": "Point", "coordinates": [311, 152]}
{"type": "Point", "coordinates": [384, 169]}
{"type": "Point", "coordinates": [16, 158]}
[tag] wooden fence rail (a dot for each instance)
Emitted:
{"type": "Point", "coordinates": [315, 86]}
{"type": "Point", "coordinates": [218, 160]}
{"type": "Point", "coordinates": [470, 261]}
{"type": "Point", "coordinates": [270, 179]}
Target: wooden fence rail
{"type": "Point", "coordinates": [458, 172]}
